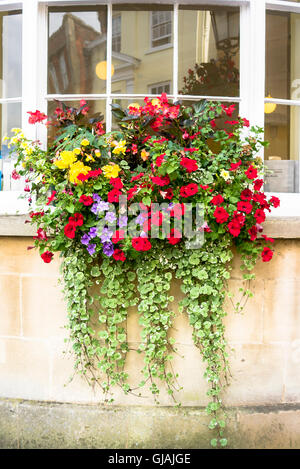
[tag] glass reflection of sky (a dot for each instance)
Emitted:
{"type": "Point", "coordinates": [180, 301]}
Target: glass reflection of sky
{"type": "Point", "coordinates": [12, 56]}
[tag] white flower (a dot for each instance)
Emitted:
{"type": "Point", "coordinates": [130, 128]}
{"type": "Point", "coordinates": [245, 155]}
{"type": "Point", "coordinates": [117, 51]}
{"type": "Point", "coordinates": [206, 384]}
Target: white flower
{"type": "Point", "coordinates": [225, 174]}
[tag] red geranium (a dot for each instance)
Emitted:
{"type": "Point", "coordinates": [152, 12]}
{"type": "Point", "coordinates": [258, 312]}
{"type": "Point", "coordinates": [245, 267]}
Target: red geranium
{"type": "Point", "coordinates": [266, 254]}
{"type": "Point", "coordinates": [258, 184]}
{"type": "Point", "coordinates": [116, 183]}
{"type": "Point", "coordinates": [189, 164]}
{"type": "Point", "coordinates": [189, 190]}
{"type": "Point", "coordinates": [47, 256]}
{"type": "Point", "coordinates": [70, 230]}
{"type": "Point", "coordinates": [221, 215]}
{"type": "Point", "coordinates": [113, 195]}
{"type": "Point", "coordinates": [77, 219]}
{"type": "Point", "coordinates": [86, 200]}
{"type": "Point", "coordinates": [245, 207]}
{"type": "Point", "coordinates": [118, 236]}
{"type": "Point", "coordinates": [141, 244]}
{"type": "Point", "coordinates": [259, 215]}
{"type": "Point", "coordinates": [274, 201]}
{"type": "Point", "coordinates": [174, 237]}
{"type": "Point", "coordinates": [217, 200]}
{"type": "Point", "coordinates": [119, 255]}
{"type": "Point", "coordinates": [251, 172]}
{"type": "Point", "coordinates": [246, 194]}
{"type": "Point", "coordinates": [234, 228]}
{"type": "Point", "coordinates": [159, 160]}
{"type": "Point", "coordinates": [235, 166]}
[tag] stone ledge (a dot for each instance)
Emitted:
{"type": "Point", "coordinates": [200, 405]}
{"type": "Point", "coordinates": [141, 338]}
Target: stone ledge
{"type": "Point", "coordinates": [43, 425]}
{"type": "Point", "coordinates": [277, 227]}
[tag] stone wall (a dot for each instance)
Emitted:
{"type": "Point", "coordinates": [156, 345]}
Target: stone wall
{"type": "Point", "coordinates": [264, 355]}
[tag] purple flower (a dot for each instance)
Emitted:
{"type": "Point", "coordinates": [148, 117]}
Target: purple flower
{"type": "Point", "coordinates": [99, 207]}
{"type": "Point", "coordinates": [141, 218]}
{"type": "Point", "coordinates": [123, 221]}
{"type": "Point", "coordinates": [91, 249]}
{"type": "Point", "coordinates": [106, 235]}
{"type": "Point", "coordinates": [93, 232]}
{"type": "Point", "coordinates": [108, 249]}
{"type": "Point", "coordinates": [85, 239]}
{"type": "Point", "coordinates": [96, 197]}
{"type": "Point", "coordinates": [110, 217]}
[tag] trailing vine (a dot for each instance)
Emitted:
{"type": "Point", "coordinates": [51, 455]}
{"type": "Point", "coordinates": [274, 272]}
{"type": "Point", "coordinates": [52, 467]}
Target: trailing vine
{"type": "Point", "coordinates": [171, 195]}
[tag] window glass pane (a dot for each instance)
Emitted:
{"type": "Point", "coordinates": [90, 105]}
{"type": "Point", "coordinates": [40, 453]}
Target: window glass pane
{"type": "Point", "coordinates": [208, 43]}
{"type": "Point", "coordinates": [77, 50]}
{"type": "Point", "coordinates": [145, 51]}
{"type": "Point", "coordinates": [10, 117]}
{"type": "Point", "coordinates": [11, 54]}
{"type": "Point", "coordinates": [282, 130]}
{"type": "Point", "coordinates": [282, 55]}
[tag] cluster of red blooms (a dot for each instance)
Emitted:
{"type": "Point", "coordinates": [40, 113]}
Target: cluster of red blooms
{"type": "Point", "coordinates": [35, 117]}
{"type": "Point", "coordinates": [70, 228]}
{"type": "Point", "coordinates": [162, 110]}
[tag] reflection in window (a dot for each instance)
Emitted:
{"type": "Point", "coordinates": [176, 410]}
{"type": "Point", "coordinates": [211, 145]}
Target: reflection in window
{"type": "Point", "coordinates": [282, 130]}
{"type": "Point", "coordinates": [161, 28]}
{"type": "Point", "coordinates": [282, 55]}
{"type": "Point", "coordinates": [11, 54]}
{"type": "Point", "coordinates": [208, 44]}
{"type": "Point", "coordinates": [10, 117]}
{"type": "Point", "coordinates": [116, 33]}
{"type": "Point", "coordinates": [159, 88]}
{"type": "Point", "coordinates": [74, 35]}
{"type": "Point", "coordinates": [140, 61]}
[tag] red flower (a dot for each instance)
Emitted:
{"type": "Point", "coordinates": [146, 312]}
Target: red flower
{"type": "Point", "coordinates": [259, 215]}
{"type": "Point", "coordinates": [246, 122]}
{"type": "Point", "coordinates": [141, 244]}
{"type": "Point", "coordinates": [217, 200]}
{"type": "Point", "coordinates": [70, 230]}
{"type": "Point", "coordinates": [270, 240]}
{"type": "Point", "coordinates": [47, 256]}
{"type": "Point", "coordinates": [118, 236]}
{"type": "Point", "coordinates": [239, 218]}
{"type": "Point", "coordinates": [137, 177]}
{"type": "Point", "coordinates": [251, 172]}
{"type": "Point", "coordinates": [77, 219]}
{"type": "Point", "coordinates": [116, 183]}
{"type": "Point", "coordinates": [36, 116]}
{"type": "Point", "coordinates": [119, 255]}
{"type": "Point", "coordinates": [266, 254]}
{"type": "Point", "coordinates": [246, 194]}
{"type": "Point", "coordinates": [253, 233]}
{"type": "Point", "coordinates": [41, 235]}
{"type": "Point", "coordinates": [213, 123]}
{"type": "Point", "coordinates": [258, 184]}
{"type": "Point", "coordinates": [188, 164]}
{"type": "Point", "coordinates": [245, 207]}
{"type": "Point", "coordinates": [86, 200]}
{"type": "Point", "coordinates": [160, 181]}
{"type": "Point", "coordinates": [234, 166]}
{"type": "Point", "coordinates": [157, 218]}
{"type": "Point", "coordinates": [113, 195]}
{"type": "Point", "coordinates": [228, 110]}
{"type": "Point", "coordinates": [189, 190]}
{"type": "Point", "coordinates": [232, 122]}
{"type": "Point", "coordinates": [221, 215]}
{"type": "Point", "coordinates": [159, 160]}
{"type": "Point", "coordinates": [274, 201]}
{"type": "Point", "coordinates": [175, 236]}
{"type": "Point", "coordinates": [167, 194]}
{"type": "Point", "coordinates": [99, 128]}
{"type": "Point", "coordinates": [131, 192]}
{"type": "Point", "coordinates": [234, 228]}
{"type": "Point", "coordinates": [177, 211]}
{"type": "Point", "coordinates": [52, 197]}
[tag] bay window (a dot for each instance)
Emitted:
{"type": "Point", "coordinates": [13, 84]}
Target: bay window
{"type": "Point", "coordinates": [235, 51]}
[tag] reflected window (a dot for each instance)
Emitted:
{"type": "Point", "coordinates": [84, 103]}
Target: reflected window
{"type": "Point", "coordinates": [159, 88]}
{"type": "Point", "coordinates": [11, 54]}
{"type": "Point", "coordinates": [116, 33]}
{"type": "Point", "coordinates": [74, 35]}
{"type": "Point", "coordinates": [209, 49]}
{"type": "Point", "coordinates": [161, 28]}
{"type": "Point", "coordinates": [143, 59]}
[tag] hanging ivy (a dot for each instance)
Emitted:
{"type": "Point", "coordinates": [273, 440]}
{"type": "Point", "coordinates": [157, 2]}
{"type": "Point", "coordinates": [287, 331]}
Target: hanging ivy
{"type": "Point", "coordinates": [170, 195]}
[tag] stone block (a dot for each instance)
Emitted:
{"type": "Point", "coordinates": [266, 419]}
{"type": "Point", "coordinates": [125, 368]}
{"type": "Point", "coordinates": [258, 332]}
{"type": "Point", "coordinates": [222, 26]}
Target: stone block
{"type": "Point", "coordinates": [44, 310]}
{"type": "Point", "coordinates": [24, 369]}
{"type": "Point", "coordinates": [10, 321]}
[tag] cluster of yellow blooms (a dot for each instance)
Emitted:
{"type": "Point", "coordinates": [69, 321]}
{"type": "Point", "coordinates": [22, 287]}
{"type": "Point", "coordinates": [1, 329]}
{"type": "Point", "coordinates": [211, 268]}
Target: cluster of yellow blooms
{"type": "Point", "coordinates": [120, 147]}
{"type": "Point", "coordinates": [111, 171]}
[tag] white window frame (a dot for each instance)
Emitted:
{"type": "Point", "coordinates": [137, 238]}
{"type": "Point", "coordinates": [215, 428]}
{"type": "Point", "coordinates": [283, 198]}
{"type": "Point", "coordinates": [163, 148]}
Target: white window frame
{"type": "Point", "coordinates": [252, 69]}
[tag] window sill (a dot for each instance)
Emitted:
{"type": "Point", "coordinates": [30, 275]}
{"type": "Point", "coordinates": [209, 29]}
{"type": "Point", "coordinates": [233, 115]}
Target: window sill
{"type": "Point", "coordinates": [277, 227]}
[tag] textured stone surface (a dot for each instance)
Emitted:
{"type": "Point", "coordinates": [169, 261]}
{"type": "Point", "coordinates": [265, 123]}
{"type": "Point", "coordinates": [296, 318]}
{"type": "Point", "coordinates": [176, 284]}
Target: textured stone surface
{"type": "Point", "coordinates": [42, 425]}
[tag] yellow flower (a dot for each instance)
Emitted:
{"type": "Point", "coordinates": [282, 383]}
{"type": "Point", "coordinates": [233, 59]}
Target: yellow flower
{"type": "Point", "coordinates": [111, 171]}
{"type": "Point", "coordinates": [76, 169]}
{"type": "Point", "coordinates": [225, 174]}
{"type": "Point", "coordinates": [77, 151]}
{"type": "Point", "coordinates": [120, 148]}
{"type": "Point", "coordinates": [156, 102]}
{"type": "Point", "coordinates": [144, 155]}
{"type": "Point", "coordinates": [84, 142]}
{"type": "Point", "coordinates": [97, 153]}
{"type": "Point", "coordinates": [67, 158]}
{"type": "Point", "coordinates": [89, 158]}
